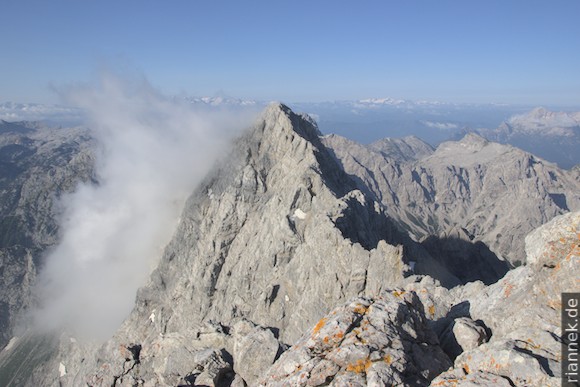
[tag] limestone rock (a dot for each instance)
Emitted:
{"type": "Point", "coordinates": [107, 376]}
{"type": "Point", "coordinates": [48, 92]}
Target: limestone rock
{"type": "Point", "coordinates": [462, 334]}
{"type": "Point", "coordinates": [379, 341]}
{"type": "Point", "coordinates": [523, 311]}
{"type": "Point", "coordinates": [255, 350]}
{"type": "Point", "coordinates": [545, 245]}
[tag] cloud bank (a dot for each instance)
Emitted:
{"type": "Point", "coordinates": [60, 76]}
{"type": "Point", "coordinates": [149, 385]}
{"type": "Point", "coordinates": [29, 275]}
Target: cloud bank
{"type": "Point", "coordinates": [440, 125]}
{"type": "Point", "coordinates": [152, 153]}
{"type": "Point", "coordinates": [62, 115]}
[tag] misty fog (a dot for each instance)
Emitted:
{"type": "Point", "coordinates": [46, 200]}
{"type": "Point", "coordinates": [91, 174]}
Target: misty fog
{"type": "Point", "coordinates": [152, 151]}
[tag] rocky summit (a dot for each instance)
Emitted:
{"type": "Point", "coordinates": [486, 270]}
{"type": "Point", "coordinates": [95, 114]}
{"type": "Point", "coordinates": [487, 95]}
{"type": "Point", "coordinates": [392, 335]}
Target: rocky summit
{"type": "Point", "coordinates": [310, 260]}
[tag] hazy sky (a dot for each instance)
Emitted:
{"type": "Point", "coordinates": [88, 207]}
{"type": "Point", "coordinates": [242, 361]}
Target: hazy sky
{"type": "Point", "coordinates": [458, 51]}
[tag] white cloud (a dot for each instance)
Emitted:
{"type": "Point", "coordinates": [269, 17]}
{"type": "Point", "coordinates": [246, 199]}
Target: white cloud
{"type": "Point", "coordinates": [440, 125]}
{"type": "Point", "coordinates": [12, 111]}
{"type": "Point", "coordinates": [153, 151]}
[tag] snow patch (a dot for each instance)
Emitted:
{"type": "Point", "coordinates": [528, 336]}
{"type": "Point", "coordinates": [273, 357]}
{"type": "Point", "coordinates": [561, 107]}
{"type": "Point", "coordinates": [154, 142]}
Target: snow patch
{"type": "Point", "coordinates": [299, 214]}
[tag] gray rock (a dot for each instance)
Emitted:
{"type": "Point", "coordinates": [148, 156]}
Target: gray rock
{"type": "Point", "coordinates": [546, 245]}
{"type": "Point", "coordinates": [255, 350]}
{"type": "Point", "coordinates": [379, 341]}
{"type": "Point", "coordinates": [403, 149]}
{"type": "Point", "coordinates": [523, 311]}
{"type": "Point", "coordinates": [462, 334]}
{"type": "Point", "coordinates": [474, 379]}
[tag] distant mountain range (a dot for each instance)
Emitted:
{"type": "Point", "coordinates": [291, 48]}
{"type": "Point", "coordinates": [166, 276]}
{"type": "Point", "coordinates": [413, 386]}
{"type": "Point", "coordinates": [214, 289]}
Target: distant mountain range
{"type": "Point", "coordinates": [554, 136]}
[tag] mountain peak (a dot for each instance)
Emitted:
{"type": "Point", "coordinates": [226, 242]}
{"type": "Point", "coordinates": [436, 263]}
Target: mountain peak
{"type": "Point", "coordinates": [474, 141]}
{"type": "Point", "coordinates": [541, 119]}
{"type": "Point", "coordinates": [279, 117]}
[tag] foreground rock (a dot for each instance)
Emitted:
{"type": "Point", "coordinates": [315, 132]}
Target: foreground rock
{"type": "Point", "coordinates": [369, 341]}
{"type": "Point", "coordinates": [523, 312]}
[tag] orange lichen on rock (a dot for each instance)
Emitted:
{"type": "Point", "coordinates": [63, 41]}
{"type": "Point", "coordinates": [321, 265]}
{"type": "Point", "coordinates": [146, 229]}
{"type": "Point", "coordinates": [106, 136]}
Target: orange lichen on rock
{"type": "Point", "coordinates": [319, 325]}
{"type": "Point", "coordinates": [359, 366]}
{"type": "Point", "coordinates": [397, 293]}
{"type": "Point", "coordinates": [432, 310]}
{"type": "Point", "coordinates": [360, 309]}
{"type": "Point", "coordinates": [448, 382]}
{"type": "Point", "coordinates": [531, 344]}
{"type": "Point", "coordinates": [388, 359]}
{"type": "Point", "coordinates": [466, 369]}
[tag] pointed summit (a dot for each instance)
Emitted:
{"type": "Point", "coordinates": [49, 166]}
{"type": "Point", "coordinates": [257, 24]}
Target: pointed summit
{"type": "Point", "coordinates": [278, 116]}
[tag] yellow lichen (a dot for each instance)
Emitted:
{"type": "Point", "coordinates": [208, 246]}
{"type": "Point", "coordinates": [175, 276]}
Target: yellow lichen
{"type": "Point", "coordinates": [319, 325]}
{"type": "Point", "coordinates": [359, 366]}
{"type": "Point", "coordinates": [466, 369]}
{"type": "Point", "coordinates": [432, 310]}
{"type": "Point", "coordinates": [360, 309]}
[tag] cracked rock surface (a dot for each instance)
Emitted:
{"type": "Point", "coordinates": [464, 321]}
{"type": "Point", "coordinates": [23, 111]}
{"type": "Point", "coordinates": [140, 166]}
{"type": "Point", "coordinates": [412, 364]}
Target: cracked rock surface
{"type": "Point", "coordinates": [369, 341]}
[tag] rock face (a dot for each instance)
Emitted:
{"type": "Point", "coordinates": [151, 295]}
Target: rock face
{"type": "Point", "coordinates": [523, 312]}
{"type": "Point", "coordinates": [404, 149]}
{"type": "Point", "coordinates": [462, 194]}
{"type": "Point", "coordinates": [37, 165]}
{"type": "Point", "coordinates": [379, 342]}
{"type": "Point", "coordinates": [287, 228]}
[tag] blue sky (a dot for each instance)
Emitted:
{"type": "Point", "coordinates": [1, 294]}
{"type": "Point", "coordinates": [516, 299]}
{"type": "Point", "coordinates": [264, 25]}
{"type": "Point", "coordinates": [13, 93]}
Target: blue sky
{"type": "Point", "coordinates": [524, 52]}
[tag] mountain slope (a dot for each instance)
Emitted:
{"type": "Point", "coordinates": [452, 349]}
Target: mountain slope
{"type": "Point", "coordinates": [470, 190]}
{"type": "Point", "coordinates": [37, 165]}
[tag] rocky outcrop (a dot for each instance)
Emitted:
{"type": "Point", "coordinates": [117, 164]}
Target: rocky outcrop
{"type": "Point", "coordinates": [378, 342]}
{"type": "Point", "coordinates": [523, 313]}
